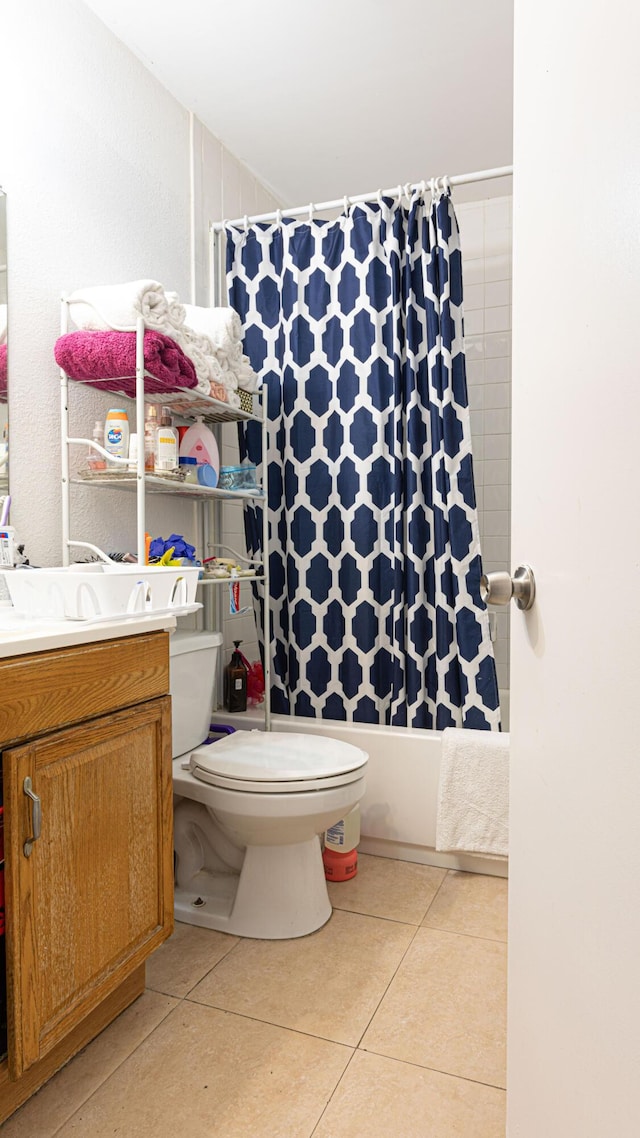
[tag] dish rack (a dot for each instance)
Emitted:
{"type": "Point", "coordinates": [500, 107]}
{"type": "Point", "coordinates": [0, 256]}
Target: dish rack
{"type": "Point", "coordinates": [103, 591]}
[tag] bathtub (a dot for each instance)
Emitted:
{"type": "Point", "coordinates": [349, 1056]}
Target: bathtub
{"type": "Point", "coordinates": [398, 811]}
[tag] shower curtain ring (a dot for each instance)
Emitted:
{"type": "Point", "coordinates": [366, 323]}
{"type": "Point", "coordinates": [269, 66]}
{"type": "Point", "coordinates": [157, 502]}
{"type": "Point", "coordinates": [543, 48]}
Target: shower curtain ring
{"type": "Point", "coordinates": [446, 185]}
{"type": "Point", "coordinates": [408, 190]}
{"type": "Point", "coordinates": [311, 209]}
{"type": "Point", "coordinates": [246, 223]}
{"type": "Point", "coordinates": [278, 217]}
{"type": "Point", "coordinates": [399, 194]}
{"type": "Point", "coordinates": [423, 187]}
{"type": "Point", "coordinates": [433, 188]}
{"type": "Point", "coordinates": [379, 197]}
{"type": "Point", "coordinates": [345, 204]}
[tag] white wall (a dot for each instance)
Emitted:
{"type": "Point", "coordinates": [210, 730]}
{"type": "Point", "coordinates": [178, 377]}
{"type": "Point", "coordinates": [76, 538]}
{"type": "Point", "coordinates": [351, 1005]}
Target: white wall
{"type": "Point", "coordinates": [95, 162]}
{"type": "Point", "coordinates": [574, 928]}
{"type": "Point", "coordinates": [224, 188]}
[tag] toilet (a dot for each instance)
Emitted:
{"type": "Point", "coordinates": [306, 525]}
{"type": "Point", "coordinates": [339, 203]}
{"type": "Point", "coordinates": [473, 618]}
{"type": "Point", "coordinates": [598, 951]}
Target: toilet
{"type": "Point", "coordinates": [249, 811]}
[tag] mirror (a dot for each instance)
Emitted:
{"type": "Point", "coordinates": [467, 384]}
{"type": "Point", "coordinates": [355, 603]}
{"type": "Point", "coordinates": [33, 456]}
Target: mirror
{"type": "Point", "coordinates": [4, 399]}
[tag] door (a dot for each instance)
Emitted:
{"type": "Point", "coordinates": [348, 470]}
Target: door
{"type": "Point", "coordinates": [93, 895]}
{"type": "Point", "coordinates": [574, 936]}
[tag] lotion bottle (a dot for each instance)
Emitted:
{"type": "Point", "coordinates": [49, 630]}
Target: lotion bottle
{"type": "Point", "coordinates": [166, 445]}
{"type": "Point", "coordinates": [116, 435]}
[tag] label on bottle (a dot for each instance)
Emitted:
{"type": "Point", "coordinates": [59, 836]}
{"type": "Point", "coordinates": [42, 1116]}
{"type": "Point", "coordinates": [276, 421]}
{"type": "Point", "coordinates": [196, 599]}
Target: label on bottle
{"type": "Point", "coordinates": [114, 436]}
{"type": "Point", "coordinates": [166, 450]}
{"type": "Point", "coordinates": [335, 834]}
{"type": "Point", "coordinates": [238, 684]}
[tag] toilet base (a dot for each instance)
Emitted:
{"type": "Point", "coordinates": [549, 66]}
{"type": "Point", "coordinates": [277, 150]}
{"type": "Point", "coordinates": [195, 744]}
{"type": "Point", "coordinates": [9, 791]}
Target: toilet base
{"type": "Point", "coordinates": [280, 893]}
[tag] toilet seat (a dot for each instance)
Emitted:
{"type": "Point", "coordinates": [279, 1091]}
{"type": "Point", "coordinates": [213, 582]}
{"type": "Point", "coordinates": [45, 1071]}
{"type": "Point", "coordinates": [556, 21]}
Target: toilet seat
{"type": "Point", "coordinates": [277, 762]}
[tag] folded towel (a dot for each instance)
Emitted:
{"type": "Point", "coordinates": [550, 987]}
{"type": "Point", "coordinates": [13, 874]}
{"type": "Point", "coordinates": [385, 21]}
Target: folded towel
{"type": "Point", "coordinates": [473, 795]}
{"type": "Point", "coordinates": [219, 391]}
{"type": "Point", "coordinates": [118, 306]}
{"type": "Point", "coordinates": [3, 371]}
{"type": "Point", "coordinates": [108, 361]}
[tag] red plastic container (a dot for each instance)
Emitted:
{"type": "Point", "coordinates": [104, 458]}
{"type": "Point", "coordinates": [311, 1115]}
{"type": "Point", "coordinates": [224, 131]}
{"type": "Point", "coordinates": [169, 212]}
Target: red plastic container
{"type": "Point", "coordinates": [339, 866]}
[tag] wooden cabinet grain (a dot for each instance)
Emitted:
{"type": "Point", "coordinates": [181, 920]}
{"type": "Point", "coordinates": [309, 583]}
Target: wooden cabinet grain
{"type": "Point", "coordinates": [94, 897]}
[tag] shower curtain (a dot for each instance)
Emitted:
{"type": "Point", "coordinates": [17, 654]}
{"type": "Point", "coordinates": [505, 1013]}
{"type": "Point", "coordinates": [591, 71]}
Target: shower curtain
{"type": "Point", "coordinates": [355, 326]}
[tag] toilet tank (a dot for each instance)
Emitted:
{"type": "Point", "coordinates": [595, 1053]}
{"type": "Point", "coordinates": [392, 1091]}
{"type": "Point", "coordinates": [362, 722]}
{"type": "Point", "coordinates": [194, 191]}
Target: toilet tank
{"type": "Point", "coordinates": [193, 662]}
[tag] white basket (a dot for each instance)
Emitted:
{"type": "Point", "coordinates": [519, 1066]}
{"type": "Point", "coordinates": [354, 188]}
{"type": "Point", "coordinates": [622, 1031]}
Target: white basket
{"type": "Point", "coordinates": [100, 591]}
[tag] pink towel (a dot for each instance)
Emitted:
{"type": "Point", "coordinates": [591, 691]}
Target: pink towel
{"type": "Point", "coordinates": [3, 369]}
{"type": "Point", "coordinates": [107, 360]}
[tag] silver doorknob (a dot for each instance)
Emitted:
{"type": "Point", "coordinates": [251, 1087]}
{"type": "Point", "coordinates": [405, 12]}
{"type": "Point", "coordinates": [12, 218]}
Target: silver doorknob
{"type": "Point", "coordinates": [499, 588]}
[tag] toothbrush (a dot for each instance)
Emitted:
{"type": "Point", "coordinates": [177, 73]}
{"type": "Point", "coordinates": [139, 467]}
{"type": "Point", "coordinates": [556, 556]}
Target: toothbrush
{"type": "Point", "coordinates": [5, 511]}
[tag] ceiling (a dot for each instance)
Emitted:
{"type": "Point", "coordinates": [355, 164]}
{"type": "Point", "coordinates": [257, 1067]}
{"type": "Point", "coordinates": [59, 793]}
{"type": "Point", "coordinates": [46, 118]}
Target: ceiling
{"type": "Point", "coordinates": [340, 97]}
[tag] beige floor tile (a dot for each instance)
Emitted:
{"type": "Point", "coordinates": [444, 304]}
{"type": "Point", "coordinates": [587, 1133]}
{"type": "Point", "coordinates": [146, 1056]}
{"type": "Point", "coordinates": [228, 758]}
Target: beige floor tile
{"type": "Point", "coordinates": [471, 903]}
{"type": "Point", "coordinates": [379, 1097]}
{"type": "Point", "coordinates": [327, 984]}
{"type": "Point", "coordinates": [209, 1074]}
{"type": "Point", "coordinates": [382, 887]}
{"type": "Point", "coordinates": [446, 1007]}
{"type": "Point", "coordinates": [50, 1108]}
{"type": "Point", "coordinates": [185, 958]}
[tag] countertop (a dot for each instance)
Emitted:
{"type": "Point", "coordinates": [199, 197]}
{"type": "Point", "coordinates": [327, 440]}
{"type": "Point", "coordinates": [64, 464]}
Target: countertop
{"type": "Point", "coordinates": [20, 635]}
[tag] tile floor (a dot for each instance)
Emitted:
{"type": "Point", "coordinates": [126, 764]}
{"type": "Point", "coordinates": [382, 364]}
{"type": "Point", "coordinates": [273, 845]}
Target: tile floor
{"type": "Point", "coordinates": [390, 1020]}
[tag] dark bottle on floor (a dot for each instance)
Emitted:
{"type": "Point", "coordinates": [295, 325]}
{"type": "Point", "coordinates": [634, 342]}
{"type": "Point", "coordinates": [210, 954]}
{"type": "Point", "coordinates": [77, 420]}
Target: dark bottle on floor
{"type": "Point", "coordinates": [235, 681]}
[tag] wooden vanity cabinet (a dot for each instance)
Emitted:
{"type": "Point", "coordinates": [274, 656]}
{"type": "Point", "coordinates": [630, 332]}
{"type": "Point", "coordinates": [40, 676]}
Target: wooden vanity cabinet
{"type": "Point", "coordinates": [92, 897]}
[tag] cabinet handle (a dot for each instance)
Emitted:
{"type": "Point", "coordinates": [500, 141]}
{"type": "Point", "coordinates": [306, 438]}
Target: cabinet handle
{"type": "Point", "coordinates": [36, 816]}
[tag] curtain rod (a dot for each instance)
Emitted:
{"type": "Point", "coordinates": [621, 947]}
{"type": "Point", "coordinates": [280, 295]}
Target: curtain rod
{"type": "Point", "coordinates": [455, 180]}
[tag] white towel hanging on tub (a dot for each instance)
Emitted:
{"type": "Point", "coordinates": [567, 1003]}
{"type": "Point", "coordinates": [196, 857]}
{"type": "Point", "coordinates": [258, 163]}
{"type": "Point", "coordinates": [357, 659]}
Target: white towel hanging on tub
{"type": "Point", "coordinates": [473, 794]}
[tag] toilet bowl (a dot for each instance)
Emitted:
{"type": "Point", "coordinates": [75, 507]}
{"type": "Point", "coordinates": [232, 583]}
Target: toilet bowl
{"type": "Point", "coordinates": [249, 811]}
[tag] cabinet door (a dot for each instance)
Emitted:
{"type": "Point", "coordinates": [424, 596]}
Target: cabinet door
{"type": "Point", "coordinates": [95, 895]}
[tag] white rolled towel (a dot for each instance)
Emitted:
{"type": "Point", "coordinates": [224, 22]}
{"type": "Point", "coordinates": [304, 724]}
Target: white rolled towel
{"type": "Point", "coordinates": [237, 368]}
{"type": "Point", "coordinates": [247, 378]}
{"type": "Point", "coordinates": [473, 792]}
{"type": "Point", "coordinates": [119, 306]}
{"type": "Point", "coordinates": [176, 311]}
{"type": "Point", "coordinates": [222, 328]}
{"type": "Point", "coordinates": [208, 370]}
{"type": "Point", "coordinates": [221, 325]}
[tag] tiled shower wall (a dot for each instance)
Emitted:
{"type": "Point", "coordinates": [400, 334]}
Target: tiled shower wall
{"type": "Point", "coordinates": [485, 229]}
{"type": "Point", "coordinates": [485, 233]}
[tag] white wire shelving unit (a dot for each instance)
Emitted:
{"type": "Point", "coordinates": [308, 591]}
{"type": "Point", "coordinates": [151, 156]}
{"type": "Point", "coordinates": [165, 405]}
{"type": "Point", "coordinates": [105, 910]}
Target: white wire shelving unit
{"type": "Point", "coordinates": [188, 404]}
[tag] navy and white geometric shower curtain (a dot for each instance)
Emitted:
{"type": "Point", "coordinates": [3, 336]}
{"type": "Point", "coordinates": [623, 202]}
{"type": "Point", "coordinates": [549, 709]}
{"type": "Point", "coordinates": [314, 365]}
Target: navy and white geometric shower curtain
{"type": "Point", "coordinates": [355, 325]}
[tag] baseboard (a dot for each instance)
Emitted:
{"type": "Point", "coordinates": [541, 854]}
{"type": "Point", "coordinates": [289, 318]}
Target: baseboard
{"type": "Point", "coordinates": [424, 855]}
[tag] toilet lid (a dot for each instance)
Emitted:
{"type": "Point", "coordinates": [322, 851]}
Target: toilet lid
{"type": "Point", "coordinates": [277, 756]}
